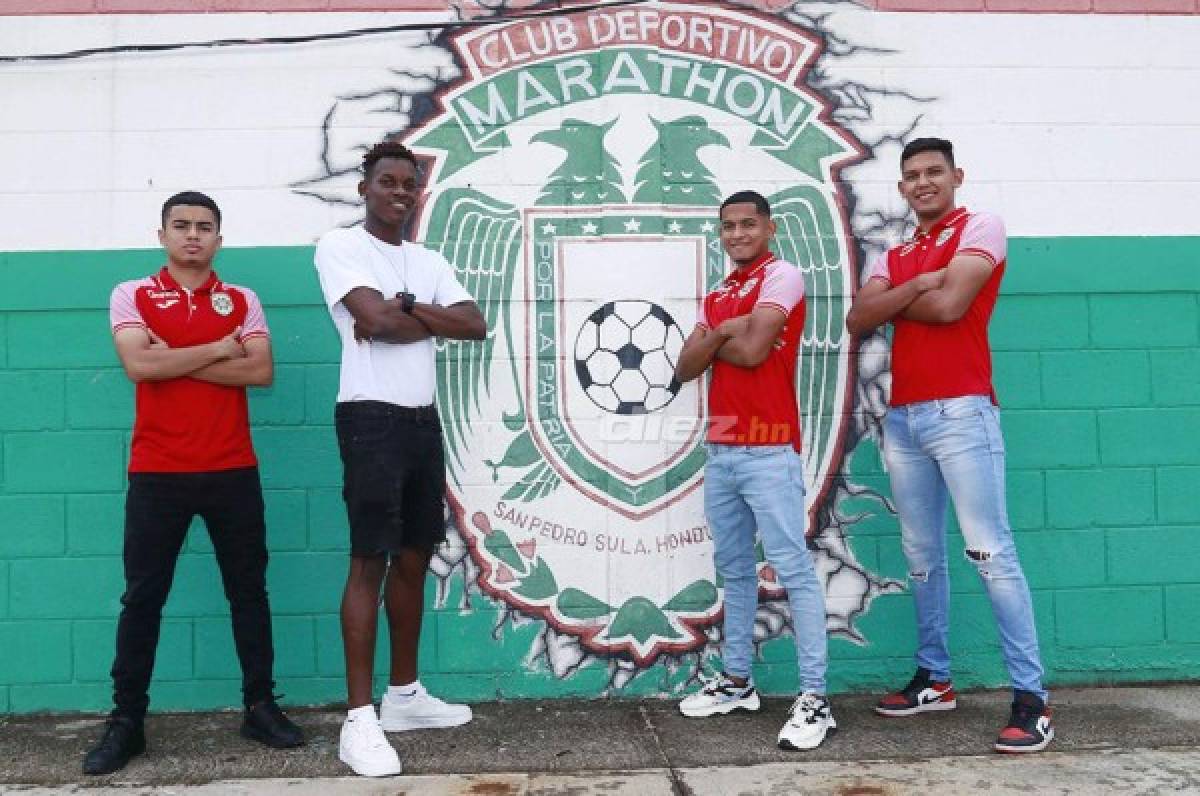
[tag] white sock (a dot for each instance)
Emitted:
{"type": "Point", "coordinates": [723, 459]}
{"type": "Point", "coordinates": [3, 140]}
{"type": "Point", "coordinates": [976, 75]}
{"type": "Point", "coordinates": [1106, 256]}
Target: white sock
{"type": "Point", "coordinates": [403, 692]}
{"type": "Point", "coordinates": [365, 712]}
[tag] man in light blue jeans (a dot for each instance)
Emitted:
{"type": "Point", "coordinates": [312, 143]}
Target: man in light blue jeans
{"type": "Point", "coordinates": [748, 334]}
{"type": "Point", "coordinates": [762, 487]}
{"type": "Point", "coordinates": [941, 436]}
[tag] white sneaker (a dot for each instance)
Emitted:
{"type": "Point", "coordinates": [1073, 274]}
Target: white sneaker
{"type": "Point", "coordinates": [365, 748]}
{"type": "Point", "coordinates": [719, 696]}
{"type": "Point", "coordinates": [810, 721]}
{"type": "Point", "coordinates": [421, 711]}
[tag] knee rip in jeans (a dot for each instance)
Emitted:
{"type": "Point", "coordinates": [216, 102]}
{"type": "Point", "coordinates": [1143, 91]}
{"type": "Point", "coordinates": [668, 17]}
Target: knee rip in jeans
{"type": "Point", "coordinates": [980, 558]}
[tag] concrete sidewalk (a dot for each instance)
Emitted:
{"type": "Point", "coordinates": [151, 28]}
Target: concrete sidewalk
{"type": "Point", "coordinates": [1110, 740]}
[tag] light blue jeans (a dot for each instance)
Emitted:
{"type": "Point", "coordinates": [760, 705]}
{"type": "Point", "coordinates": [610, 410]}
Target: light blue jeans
{"type": "Point", "coordinates": [759, 489]}
{"type": "Point", "coordinates": [953, 449]}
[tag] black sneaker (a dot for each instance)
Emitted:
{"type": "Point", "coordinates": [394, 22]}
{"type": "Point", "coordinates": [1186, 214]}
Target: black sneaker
{"type": "Point", "coordinates": [1029, 728]}
{"type": "Point", "coordinates": [267, 724]}
{"type": "Point", "coordinates": [123, 739]}
{"type": "Point", "coordinates": [920, 695]}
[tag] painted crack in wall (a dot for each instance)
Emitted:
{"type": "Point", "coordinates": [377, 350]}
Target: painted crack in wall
{"type": "Point", "coordinates": [413, 98]}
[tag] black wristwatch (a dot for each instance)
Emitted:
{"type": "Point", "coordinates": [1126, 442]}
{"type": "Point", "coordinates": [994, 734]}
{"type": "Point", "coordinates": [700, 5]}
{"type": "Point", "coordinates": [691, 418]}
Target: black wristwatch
{"type": "Point", "coordinates": [407, 301]}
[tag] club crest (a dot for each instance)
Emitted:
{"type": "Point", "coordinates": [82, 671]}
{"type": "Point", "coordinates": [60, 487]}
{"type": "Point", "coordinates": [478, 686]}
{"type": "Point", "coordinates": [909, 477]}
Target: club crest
{"type": "Point", "coordinates": [222, 304]}
{"type": "Point", "coordinates": [607, 140]}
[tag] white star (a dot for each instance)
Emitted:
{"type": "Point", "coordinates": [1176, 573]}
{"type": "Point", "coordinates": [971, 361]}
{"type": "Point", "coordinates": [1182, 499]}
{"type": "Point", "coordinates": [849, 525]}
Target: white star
{"type": "Point", "coordinates": [589, 228]}
{"type": "Point", "coordinates": [708, 227]}
{"type": "Point", "coordinates": [675, 226]}
{"type": "Point", "coordinates": [633, 225]}
{"type": "Point", "coordinates": [549, 229]}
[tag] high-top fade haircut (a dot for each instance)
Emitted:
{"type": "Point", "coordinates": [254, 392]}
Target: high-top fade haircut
{"type": "Point", "coordinates": [919, 145]}
{"type": "Point", "coordinates": [387, 148]}
{"type": "Point", "coordinates": [761, 205]}
{"type": "Point", "coordinates": [191, 199]}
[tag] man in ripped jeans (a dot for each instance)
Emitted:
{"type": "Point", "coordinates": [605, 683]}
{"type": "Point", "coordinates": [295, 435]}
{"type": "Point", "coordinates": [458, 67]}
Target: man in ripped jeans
{"type": "Point", "coordinates": [941, 436]}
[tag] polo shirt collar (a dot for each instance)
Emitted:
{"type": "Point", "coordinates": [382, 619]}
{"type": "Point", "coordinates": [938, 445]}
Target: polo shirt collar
{"type": "Point", "coordinates": [953, 217]}
{"type": "Point", "coordinates": [168, 281]}
{"type": "Point", "coordinates": [744, 272]}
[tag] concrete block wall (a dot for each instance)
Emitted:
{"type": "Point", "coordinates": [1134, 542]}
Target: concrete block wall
{"type": "Point", "coordinates": [1101, 427]}
{"type": "Point", "coordinates": [1096, 339]}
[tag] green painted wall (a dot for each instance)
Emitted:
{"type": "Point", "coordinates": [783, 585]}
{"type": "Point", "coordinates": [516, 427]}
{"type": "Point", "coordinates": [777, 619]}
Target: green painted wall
{"type": "Point", "coordinates": [1097, 345]}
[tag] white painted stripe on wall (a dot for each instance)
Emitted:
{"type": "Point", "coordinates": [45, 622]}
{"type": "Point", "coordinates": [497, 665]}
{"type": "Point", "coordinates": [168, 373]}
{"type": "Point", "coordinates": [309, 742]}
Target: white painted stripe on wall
{"type": "Point", "coordinates": [1067, 124]}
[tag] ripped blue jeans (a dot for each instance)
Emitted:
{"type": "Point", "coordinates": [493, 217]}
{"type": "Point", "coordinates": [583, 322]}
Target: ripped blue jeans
{"type": "Point", "coordinates": [952, 449]}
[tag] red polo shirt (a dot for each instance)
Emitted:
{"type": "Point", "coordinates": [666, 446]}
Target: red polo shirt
{"type": "Point", "coordinates": [757, 406]}
{"type": "Point", "coordinates": [945, 360]}
{"type": "Point", "coordinates": [184, 424]}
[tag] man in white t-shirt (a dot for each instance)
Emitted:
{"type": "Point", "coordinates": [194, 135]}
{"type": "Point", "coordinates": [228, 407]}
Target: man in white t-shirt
{"type": "Point", "coordinates": [389, 298]}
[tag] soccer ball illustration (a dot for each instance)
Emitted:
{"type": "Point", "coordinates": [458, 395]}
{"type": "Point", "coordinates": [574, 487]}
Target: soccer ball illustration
{"type": "Point", "coordinates": [625, 357]}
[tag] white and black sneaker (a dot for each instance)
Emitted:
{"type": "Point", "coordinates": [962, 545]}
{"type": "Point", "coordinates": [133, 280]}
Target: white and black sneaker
{"type": "Point", "coordinates": [810, 721]}
{"type": "Point", "coordinates": [719, 696]}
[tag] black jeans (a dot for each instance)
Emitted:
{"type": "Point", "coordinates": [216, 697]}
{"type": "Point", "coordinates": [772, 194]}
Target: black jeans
{"type": "Point", "coordinates": [159, 507]}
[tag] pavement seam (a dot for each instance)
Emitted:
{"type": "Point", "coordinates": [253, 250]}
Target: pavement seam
{"type": "Point", "coordinates": [678, 786]}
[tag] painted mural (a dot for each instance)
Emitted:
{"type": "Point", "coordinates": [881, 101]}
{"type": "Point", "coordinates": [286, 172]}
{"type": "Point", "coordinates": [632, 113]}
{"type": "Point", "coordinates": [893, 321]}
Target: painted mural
{"type": "Point", "coordinates": [574, 156]}
{"type": "Point", "coordinates": [602, 143]}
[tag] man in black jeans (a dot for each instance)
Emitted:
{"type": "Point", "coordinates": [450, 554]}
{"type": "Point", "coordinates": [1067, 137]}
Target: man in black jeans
{"type": "Point", "coordinates": [192, 344]}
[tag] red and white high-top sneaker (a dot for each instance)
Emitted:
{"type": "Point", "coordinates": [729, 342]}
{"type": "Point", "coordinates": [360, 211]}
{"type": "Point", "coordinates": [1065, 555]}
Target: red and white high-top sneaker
{"type": "Point", "coordinates": [1029, 728]}
{"type": "Point", "coordinates": [920, 695]}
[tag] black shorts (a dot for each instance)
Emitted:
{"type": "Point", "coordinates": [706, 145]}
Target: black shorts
{"type": "Point", "coordinates": [394, 476]}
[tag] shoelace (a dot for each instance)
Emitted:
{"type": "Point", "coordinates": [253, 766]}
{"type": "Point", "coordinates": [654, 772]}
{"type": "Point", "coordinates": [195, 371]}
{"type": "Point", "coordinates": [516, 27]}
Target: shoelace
{"type": "Point", "coordinates": [916, 686]}
{"type": "Point", "coordinates": [115, 734]}
{"type": "Point", "coordinates": [112, 738]}
{"type": "Point", "coordinates": [721, 684]}
{"type": "Point", "coordinates": [1023, 716]}
{"type": "Point", "coordinates": [808, 707]}
{"type": "Point", "coordinates": [375, 740]}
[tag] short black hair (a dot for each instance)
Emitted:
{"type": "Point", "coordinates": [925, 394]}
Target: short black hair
{"type": "Point", "coordinates": [747, 197]}
{"type": "Point", "coordinates": [919, 145]}
{"type": "Point", "coordinates": [387, 148]}
{"type": "Point", "coordinates": [191, 199]}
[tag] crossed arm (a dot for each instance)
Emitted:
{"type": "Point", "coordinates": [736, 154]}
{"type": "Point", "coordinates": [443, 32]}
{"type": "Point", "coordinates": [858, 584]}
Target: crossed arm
{"type": "Point", "coordinates": [377, 318]}
{"type": "Point", "coordinates": [744, 341]}
{"type": "Point", "coordinates": [934, 297]}
{"type": "Point", "coordinates": [145, 357]}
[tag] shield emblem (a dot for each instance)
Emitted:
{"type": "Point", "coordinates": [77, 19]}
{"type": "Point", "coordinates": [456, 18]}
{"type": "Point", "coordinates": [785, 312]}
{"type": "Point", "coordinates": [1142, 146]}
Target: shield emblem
{"type": "Point", "coordinates": [615, 291]}
{"type": "Point", "coordinates": [575, 460]}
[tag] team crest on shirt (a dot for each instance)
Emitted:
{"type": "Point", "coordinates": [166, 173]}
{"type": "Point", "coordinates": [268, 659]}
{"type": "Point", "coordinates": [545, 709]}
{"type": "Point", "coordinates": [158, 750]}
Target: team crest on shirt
{"type": "Point", "coordinates": [575, 458]}
{"type": "Point", "coordinates": [222, 304]}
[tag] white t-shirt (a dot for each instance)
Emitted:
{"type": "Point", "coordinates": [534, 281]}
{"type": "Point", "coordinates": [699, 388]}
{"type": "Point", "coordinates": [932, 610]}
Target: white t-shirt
{"type": "Point", "coordinates": [398, 373]}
